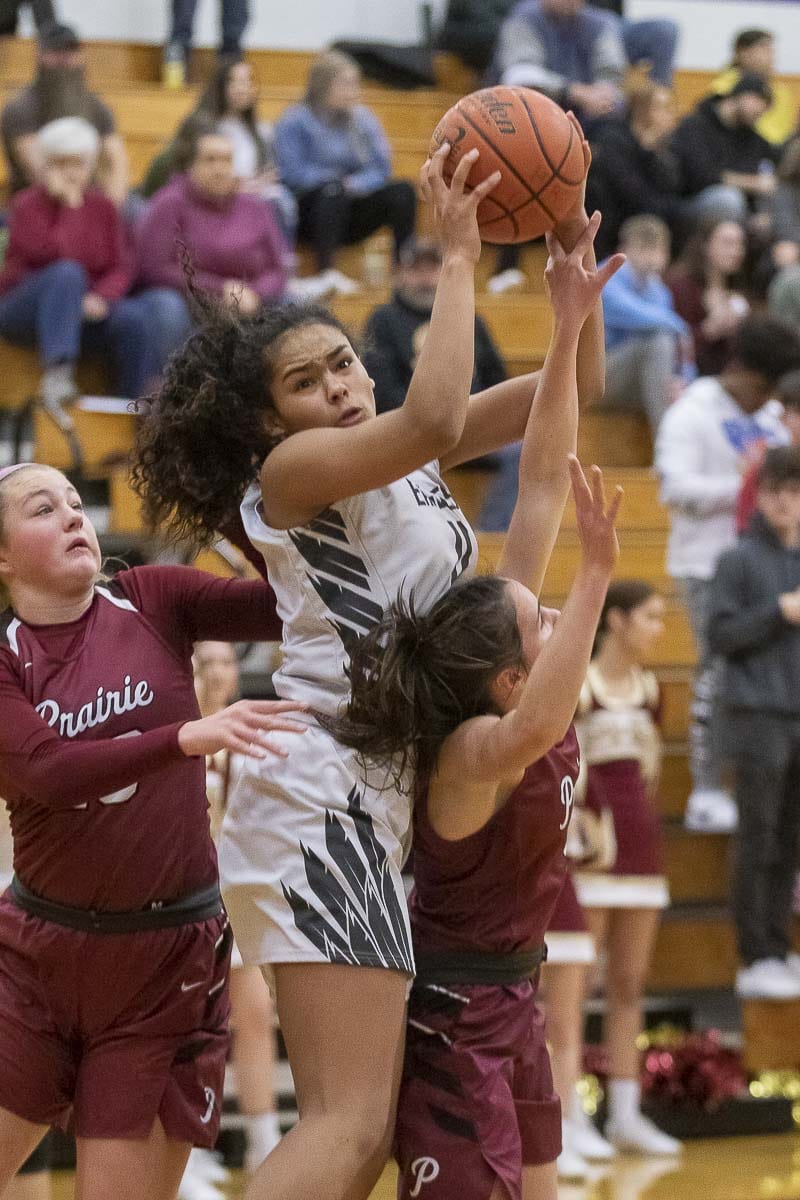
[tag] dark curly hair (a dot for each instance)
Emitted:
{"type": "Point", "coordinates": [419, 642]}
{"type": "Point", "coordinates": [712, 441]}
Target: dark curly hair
{"type": "Point", "coordinates": [414, 679]}
{"type": "Point", "coordinates": [203, 436]}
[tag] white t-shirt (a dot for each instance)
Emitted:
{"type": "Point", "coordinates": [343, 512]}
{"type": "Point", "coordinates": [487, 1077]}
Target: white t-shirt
{"type": "Point", "coordinates": [335, 577]}
{"type": "Point", "coordinates": [701, 440]}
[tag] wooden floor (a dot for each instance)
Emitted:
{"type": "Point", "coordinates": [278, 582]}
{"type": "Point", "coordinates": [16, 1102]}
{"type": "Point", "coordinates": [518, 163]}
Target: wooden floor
{"type": "Point", "coordinates": [763, 1168]}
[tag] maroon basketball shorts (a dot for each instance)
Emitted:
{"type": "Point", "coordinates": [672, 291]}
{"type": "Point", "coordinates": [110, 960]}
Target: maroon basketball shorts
{"type": "Point", "coordinates": [477, 1102]}
{"type": "Point", "coordinates": [105, 1033]}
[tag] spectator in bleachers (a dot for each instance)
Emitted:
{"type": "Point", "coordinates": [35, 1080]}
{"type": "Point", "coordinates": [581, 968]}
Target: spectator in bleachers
{"type": "Point", "coordinates": [727, 167]}
{"type": "Point", "coordinates": [754, 53]}
{"type": "Point", "coordinates": [633, 170]}
{"type": "Point", "coordinates": [232, 238]}
{"type": "Point", "coordinates": [702, 450]}
{"type": "Point", "coordinates": [395, 332]}
{"type": "Point", "coordinates": [567, 50]}
{"type": "Point", "coordinates": [471, 28]}
{"type": "Point", "coordinates": [754, 625]}
{"type": "Point", "coordinates": [60, 90]}
{"type": "Point", "coordinates": [68, 269]}
{"type": "Point", "coordinates": [394, 336]}
{"type": "Point", "coordinates": [784, 290]}
{"type": "Point", "coordinates": [233, 15]}
{"type": "Point", "coordinates": [648, 346]}
{"type": "Point", "coordinates": [231, 99]}
{"type": "Point", "coordinates": [788, 392]}
{"type": "Point", "coordinates": [334, 155]}
{"type": "Point", "coordinates": [703, 285]}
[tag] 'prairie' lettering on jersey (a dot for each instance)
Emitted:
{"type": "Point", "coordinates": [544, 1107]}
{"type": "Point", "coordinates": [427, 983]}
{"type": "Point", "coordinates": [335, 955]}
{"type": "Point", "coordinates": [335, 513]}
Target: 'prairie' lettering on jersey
{"type": "Point", "coordinates": [435, 495]}
{"type": "Point", "coordinates": [105, 705]}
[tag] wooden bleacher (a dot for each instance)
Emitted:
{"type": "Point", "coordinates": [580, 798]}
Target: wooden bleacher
{"type": "Point", "coordinates": [695, 947]}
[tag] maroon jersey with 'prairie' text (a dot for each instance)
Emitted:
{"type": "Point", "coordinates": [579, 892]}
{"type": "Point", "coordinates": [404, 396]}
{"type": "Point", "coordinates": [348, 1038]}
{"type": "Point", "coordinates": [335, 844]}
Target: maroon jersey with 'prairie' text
{"type": "Point", "coordinates": [106, 811]}
{"type": "Point", "coordinates": [495, 890]}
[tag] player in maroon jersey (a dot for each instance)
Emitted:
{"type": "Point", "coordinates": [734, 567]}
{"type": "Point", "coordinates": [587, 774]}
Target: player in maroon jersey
{"type": "Point", "coordinates": [114, 945]}
{"type": "Point", "coordinates": [479, 694]}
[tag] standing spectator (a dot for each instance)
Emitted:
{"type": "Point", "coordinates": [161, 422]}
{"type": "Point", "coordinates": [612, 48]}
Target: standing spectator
{"type": "Point", "coordinates": [754, 624]}
{"type": "Point", "coordinates": [726, 166]}
{"type": "Point", "coordinates": [754, 53]}
{"type": "Point", "coordinates": [702, 285]}
{"type": "Point", "coordinates": [701, 452]}
{"type": "Point", "coordinates": [633, 170]}
{"type": "Point", "coordinates": [647, 343]}
{"type": "Point", "coordinates": [41, 10]}
{"type": "Point", "coordinates": [236, 249]}
{"type": "Point", "coordinates": [233, 22]}
{"type": "Point", "coordinates": [333, 154]}
{"type": "Point", "coordinates": [68, 269]}
{"type": "Point", "coordinates": [59, 90]}
{"type": "Point", "coordinates": [395, 332]}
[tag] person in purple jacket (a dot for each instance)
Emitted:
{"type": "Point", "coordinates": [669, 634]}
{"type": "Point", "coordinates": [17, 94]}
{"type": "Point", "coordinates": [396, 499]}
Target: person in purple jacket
{"type": "Point", "coordinates": [333, 154]}
{"type": "Point", "coordinates": [232, 238]}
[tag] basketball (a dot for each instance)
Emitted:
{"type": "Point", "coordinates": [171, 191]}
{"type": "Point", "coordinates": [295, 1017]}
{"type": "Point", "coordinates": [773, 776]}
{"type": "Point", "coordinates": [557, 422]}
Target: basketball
{"type": "Point", "coordinates": [527, 137]}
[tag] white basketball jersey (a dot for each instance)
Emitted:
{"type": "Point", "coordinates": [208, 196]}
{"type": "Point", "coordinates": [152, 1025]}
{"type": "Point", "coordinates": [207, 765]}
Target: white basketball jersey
{"type": "Point", "coordinates": [335, 577]}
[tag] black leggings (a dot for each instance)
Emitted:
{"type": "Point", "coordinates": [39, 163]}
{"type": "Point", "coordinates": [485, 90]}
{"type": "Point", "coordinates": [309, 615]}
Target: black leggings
{"type": "Point", "coordinates": [331, 217]}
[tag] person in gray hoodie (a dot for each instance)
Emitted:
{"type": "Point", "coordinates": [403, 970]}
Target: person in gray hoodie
{"type": "Point", "coordinates": [754, 625]}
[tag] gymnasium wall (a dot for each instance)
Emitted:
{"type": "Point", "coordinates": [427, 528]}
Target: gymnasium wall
{"type": "Point", "coordinates": [307, 24]}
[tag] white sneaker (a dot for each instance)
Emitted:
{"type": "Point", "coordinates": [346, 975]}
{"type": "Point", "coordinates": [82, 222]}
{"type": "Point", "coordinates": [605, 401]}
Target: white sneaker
{"type": "Point", "coordinates": [342, 284]}
{"type": "Point", "coordinates": [636, 1134]}
{"type": "Point", "coordinates": [711, 810]}
{"type": "Point", "coordinates": [569, 1164]}
{"type": "Point", "coordinates": [512, 280]}
{"type": "Point", "coordinates": [203, 1177]}
{"type": "Point", "coordinates": [587, 1140]}
{"type": "Point", "coordinates": [768, 979]}
{"type": "Point", "coordinates": [792, 963]}
{"type": "Point", "coordinates": [310, 287]}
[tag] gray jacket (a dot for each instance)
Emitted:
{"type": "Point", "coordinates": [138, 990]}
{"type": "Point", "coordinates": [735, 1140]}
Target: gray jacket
{"type": "Point", "coordinates": [745, 625]}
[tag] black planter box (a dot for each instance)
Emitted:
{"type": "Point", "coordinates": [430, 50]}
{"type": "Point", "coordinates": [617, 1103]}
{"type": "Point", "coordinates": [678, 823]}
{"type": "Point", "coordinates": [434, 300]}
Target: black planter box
{"type": "Point", "coordinates": [745, 1117]}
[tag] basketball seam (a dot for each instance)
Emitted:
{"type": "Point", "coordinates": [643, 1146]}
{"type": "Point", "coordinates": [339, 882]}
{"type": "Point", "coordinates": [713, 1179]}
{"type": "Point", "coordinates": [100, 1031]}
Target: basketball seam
{"type": "Point", "coordinates": [555, 169]}
{"type": "Point", "coordinates": [533, 195]}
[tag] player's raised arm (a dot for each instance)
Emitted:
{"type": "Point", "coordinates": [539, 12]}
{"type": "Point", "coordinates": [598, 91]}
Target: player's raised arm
{"type": "Point", "coordinates": [552, 429]}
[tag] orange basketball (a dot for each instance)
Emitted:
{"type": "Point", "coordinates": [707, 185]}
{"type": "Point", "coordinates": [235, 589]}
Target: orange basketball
{"type": "Point", "coordinates": [527, 137]}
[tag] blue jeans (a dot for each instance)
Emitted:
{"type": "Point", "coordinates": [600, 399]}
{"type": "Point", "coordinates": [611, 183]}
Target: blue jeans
{"type": "Point", "coordinates": [45, 310]}
{"type": "Point", "coordinates": [653, 42]}
{"type": "Point", "coordinates": [170, 321]}
{"type": "Point", "coordinates": [233, 21]}
{"type": "Point", "coordinates": [720, 200]}
{"type": "Point", "coordinates": [498, 507]}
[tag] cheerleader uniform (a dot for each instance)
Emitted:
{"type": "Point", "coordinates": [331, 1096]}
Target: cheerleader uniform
{"type": "Point", "coordinates": [477, 1101]}
{"type": "Point", "coordinates": [620, 749]}
{"type": "Point", "coordinates": [312, 846]}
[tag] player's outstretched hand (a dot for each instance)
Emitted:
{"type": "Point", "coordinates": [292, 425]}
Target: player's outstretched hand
{"type": "Point", "coordinates": [242, 728]}
{"type": "Point", "coordinates": [573, 286]}
{"type": "Point", "coordinates": [454, 205]}
{"type": "Point", "coordinates": [596, 520]}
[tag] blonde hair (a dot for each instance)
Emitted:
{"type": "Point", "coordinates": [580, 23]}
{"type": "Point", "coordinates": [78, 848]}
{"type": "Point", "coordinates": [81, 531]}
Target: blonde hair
{"type": "Point", "coordinates": [324, 70]}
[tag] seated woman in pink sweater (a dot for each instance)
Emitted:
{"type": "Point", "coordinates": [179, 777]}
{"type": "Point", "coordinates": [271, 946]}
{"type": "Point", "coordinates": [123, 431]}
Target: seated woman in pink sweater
{"type": "Point", "coordinates": [68, 269]}
{"type": "Point", "coordinates": [232, 237]}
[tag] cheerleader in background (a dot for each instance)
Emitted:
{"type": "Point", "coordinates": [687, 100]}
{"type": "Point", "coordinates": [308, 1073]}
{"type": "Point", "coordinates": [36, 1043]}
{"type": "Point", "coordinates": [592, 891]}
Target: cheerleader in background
{"type": "Point", "coordinates": [216, 669]}
{"type": "Point", "coordinates": [621, 748]}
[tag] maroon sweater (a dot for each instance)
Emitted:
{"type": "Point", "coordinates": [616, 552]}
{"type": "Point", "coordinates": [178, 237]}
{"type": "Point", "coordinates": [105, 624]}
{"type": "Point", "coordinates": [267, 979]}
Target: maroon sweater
{"type": "Point", "coordinates": [42, 230]}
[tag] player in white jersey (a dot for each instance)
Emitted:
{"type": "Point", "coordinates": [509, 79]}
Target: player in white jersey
{"type": "Point", "coordinates": [349, 512]}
